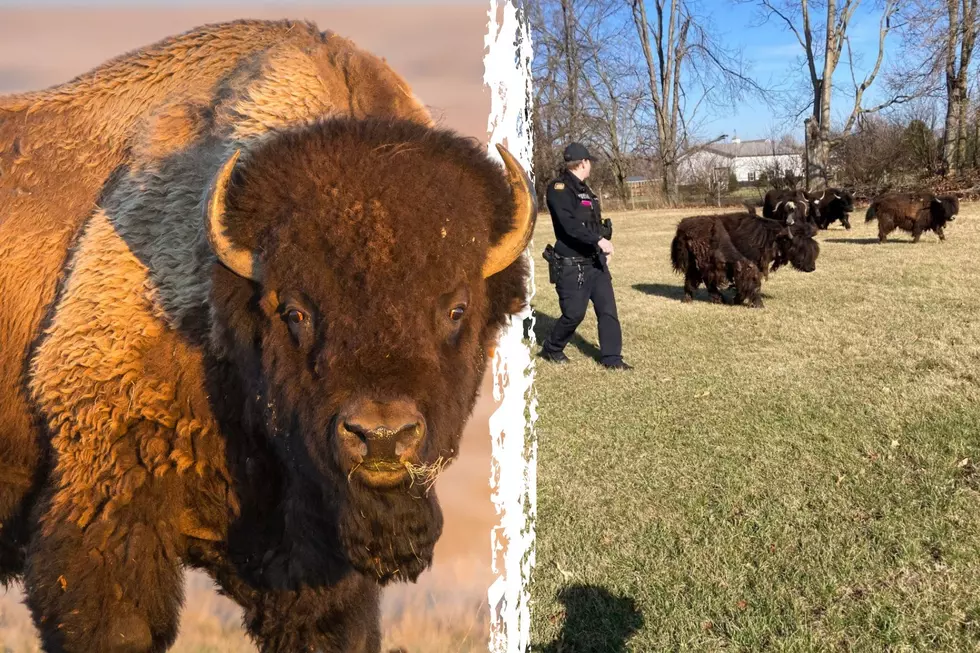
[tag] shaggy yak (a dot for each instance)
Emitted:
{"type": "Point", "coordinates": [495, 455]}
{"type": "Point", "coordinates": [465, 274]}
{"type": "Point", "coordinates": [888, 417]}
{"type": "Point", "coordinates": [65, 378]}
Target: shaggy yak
{"type": "Point", "coordinates": [249, 295]}
{"type": "Point", "coordinates": [913, 213]}
{"type": "Point", "coordinates": [829, 206]}
{"type": "Point", "coordinates": [739, 249]}
{"type": "Point", "coordinates": [787, 206]}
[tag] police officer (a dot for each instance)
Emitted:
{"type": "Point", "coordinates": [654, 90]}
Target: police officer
{"type": "Point", "coordinates": [580, 256]}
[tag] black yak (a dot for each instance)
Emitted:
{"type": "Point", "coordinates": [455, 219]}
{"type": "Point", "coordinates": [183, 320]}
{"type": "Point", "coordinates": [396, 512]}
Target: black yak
{"type": "Point", "coordinates": [831, 205]}
{"type": "Point", "coordinates": [249, 294]}
{"type": "Point", "coordinates": [786, 205]}
{"type": "Point", "coordinates": [913, 213]}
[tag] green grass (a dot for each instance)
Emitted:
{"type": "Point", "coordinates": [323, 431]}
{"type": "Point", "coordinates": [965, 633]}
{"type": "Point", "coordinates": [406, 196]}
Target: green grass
{"type": "Point", "coordinates": [796, 478]}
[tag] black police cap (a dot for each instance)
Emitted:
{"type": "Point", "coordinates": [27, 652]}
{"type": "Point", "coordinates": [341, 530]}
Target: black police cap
{"type": "Point", "coordinates": [576, 152]}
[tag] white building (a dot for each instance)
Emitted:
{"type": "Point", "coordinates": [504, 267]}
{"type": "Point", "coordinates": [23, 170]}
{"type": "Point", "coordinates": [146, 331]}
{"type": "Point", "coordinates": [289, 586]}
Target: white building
{"type": "Point", "coordinates": [747, 159]}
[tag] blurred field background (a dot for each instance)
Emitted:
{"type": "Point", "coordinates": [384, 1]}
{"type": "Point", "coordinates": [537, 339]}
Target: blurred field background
{"type": "Point", "coordinates": [802, 477]}
{"type": "Point", "coordinates": [439, 49]}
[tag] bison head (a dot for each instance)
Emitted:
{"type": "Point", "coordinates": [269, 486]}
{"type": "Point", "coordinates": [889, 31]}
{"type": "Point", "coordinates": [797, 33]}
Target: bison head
{"type": "Point", "coordinates": [797, 246]}
{"type": "Point", "coordinates": [364, 268]}
{"type": "Point", "coordinates": [944, 209]}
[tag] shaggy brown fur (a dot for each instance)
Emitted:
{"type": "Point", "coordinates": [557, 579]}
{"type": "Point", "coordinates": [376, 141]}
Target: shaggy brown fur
{"type": "Point", "coordinates": [188, 422]}
{"type": "Point", "coordinates": [830, 205]}
{"type": "Point", "coordinates": [771, 245]}
{"type": "Point", "coordinates": [702, 251]}
{"type": "Point", "coordinates": [766, 243]}
{"type": "Point", "coordinates": [60, 146]}
{"type": "Point", "coordinates": [914, 213]}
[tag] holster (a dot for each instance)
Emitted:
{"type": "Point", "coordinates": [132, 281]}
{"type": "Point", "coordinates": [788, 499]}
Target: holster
{"type": "Point", "coordinates": [605, 228]}
{"type": "Point", "coordinates": [554, 265]}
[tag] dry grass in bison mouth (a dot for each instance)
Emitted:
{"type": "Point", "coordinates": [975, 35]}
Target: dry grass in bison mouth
{"type": "Point", "coordinates": [427, 475]}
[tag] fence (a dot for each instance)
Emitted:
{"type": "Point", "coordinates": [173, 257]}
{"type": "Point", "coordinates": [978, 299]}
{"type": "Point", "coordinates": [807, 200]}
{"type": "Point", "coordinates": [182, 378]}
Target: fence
{"type": "Point", "coordinates": [646, 195]}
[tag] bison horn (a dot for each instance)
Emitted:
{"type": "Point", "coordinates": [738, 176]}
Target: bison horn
{"type": "Point", "coordinates": [237, 259]}
{"type": "Point", "coordinates": [512, 245]}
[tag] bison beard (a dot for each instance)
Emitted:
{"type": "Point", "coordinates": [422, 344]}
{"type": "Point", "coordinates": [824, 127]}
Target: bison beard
{"type": "Point", "coordinates": [390, 536]}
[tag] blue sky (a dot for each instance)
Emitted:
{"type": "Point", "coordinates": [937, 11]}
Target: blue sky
{"type": "Point", "coordinates": [771, 50]}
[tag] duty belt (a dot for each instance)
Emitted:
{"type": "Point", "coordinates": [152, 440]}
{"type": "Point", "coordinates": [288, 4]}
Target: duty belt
{"type": "Point", "coordinates": [578, 261]}
{"type": "Point", "coordinates": [575, 260]}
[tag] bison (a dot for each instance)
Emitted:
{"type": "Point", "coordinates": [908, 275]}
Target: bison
{"type": "Point", "coordinates": [786, 205]}
{"type": "Point", "coordinates": [829, 206]}
{"type": "Point", "coordinates": [741, 249]}
{"type": "Point", "coordinates": [913, 213]}
{"type": "Point", "coordinates": [248, 301]}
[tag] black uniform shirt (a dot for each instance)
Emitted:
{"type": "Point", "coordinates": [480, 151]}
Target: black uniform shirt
{"type": "Point", "coordinates": [575, 215]}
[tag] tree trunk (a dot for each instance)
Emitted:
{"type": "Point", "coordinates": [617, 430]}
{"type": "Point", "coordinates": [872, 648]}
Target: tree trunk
{"type": "Point", "coordinates": [976, 137]}
{"type": "Point", "coordinates": [820, 137]}
{"type": "Point", "coordinates": [571, 67]}
{"type": "Point", "coordinates": [961, 131]}
{"type": "Point", "coordinates": [951, 129]}
{"type": "Point", "coordinates": [669, 180]}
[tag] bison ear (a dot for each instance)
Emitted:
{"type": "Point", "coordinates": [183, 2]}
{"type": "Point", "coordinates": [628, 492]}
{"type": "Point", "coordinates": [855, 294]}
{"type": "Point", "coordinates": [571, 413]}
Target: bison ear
{"type": "Point", "coordinates": [239, 260]}
{"type": "Point", "coordinates": [514, 242]}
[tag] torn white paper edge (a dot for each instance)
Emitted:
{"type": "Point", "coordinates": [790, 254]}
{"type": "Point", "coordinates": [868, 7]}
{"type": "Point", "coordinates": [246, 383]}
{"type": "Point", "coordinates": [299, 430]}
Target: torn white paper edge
{"type": "Point", "coordinates": [507, 66]}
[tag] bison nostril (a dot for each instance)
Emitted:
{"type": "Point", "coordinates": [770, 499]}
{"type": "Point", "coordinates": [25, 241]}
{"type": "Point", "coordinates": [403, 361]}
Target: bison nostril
{"type": "Point", "coordinates": [357, 430]}
{"type": "Point", "coordinates": [381, 433]}
{"type": "Point", "coordinates": [387, 443]}
{"type": "Point", "coordinates": [407, 438]}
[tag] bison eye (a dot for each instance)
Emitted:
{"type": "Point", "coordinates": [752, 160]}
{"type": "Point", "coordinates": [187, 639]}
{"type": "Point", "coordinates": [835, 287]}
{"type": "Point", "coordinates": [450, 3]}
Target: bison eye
{"type": "Point", "coordinates": [456, 314]}
{"type": "Point", "coordinates": [299, 322]}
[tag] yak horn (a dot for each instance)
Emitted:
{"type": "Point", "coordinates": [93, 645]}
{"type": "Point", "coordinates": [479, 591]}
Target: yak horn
{"type": "Point", "coordinates": [237, 259]}
{"type": "Point", "coordinates": [512, 245]}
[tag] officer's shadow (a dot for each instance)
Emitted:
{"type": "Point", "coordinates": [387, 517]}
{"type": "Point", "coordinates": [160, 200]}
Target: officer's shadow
{"type": "Point", "coordinates": [595, 620]}
{"type": "Point", "coordinates": [544, 323]}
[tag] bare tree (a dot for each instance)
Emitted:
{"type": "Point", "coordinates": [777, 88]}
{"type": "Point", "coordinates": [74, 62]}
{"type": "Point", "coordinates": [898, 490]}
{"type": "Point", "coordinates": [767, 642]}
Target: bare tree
{"type": "Point", "coordinates": [611, 84]}
{"type": "Point", "coordinates": [940, 41]}
{"type": "Point", "coordinates": [598, 99]}
{"type": "Point", "coordinates": [570, 56]}
{"type": "Point", "coordinates": [823, 42]}
{"type": "Point", "coordinates": [682, 58]}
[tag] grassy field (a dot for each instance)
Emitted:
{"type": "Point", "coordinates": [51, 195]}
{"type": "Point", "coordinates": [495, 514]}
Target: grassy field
{"type": "Point", "coordinates": [795, 478]}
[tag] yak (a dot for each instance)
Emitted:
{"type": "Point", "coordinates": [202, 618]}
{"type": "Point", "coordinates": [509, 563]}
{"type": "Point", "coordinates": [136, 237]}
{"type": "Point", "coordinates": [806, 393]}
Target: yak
{"type": "Point", "coordinates": [913, 213]}
{"type": "Point", "coordinates": [740, 249]}
{"type": "Point", "coordinates": [830, 205]}
{"type": "Point", "coordinates": [250, 290]}
{"type": "Point", "coordinates": [703, 252]}
{"type": "Point", "coordinates": [786, 205]}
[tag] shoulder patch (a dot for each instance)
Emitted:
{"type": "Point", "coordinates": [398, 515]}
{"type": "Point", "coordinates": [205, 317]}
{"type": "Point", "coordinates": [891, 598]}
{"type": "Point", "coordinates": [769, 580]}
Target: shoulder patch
{"type": "Point", "coordinates": [559, 185]}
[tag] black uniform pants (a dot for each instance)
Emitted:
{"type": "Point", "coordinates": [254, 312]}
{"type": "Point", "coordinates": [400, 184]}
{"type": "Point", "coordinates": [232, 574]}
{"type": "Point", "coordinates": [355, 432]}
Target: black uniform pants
{"type": "Point", "coordinates": [573, 299]}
